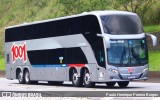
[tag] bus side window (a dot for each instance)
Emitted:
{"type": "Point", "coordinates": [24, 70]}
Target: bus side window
{"type": "Point", "coordinates": [75, 56]}
{"type": "Point", "coordinates": [100, 58]}
{"type": "Point", "coordinates": [99, 52]}
{"type": "Point", "coordinates": [7, 58]}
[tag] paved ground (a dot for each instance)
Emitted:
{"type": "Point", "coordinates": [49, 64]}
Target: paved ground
{"type": "Point", "coordinates": [13, 85]}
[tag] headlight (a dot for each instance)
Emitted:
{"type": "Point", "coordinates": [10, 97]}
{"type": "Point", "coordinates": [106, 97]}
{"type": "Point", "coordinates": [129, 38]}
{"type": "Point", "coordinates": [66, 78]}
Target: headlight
{"type": "Point", "coordinates": [114, 71]}
{"type": "Point", "coordinates": [144, 70]}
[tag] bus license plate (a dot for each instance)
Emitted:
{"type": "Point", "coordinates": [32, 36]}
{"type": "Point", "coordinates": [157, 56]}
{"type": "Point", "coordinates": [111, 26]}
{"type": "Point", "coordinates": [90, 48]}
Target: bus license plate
{"type": "Point", "coordinates": [131, 77]}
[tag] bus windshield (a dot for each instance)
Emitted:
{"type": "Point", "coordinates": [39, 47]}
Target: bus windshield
{"type": "Point", "coordinates": [128, 52]}
{"type": "Point", "coordinates": [121, 24]}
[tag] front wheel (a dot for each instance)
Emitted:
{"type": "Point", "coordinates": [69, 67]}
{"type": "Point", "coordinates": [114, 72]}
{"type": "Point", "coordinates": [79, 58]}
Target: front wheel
{"type": "Point", "coordinates": [123, 84]}
{"type": "Point", "coordinates": [86, 80]}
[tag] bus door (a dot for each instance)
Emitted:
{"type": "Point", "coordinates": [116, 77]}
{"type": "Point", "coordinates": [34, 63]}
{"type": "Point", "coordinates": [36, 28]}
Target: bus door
{"type": "Point", "coordinates": [101, 70]}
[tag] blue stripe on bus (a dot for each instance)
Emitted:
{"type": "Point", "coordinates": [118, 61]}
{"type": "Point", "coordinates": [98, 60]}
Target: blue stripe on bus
{"type": "Point", "coordinates": [55, 65]}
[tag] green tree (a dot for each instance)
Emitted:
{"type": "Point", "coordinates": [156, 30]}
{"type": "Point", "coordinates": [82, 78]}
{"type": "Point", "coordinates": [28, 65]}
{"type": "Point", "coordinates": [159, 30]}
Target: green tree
{"type": "Point", "coordinates": [71, 6]}
{"type": "Point", "coordinates": [141, 7]}
{"type": "Point", "coordinates": [79, 6]}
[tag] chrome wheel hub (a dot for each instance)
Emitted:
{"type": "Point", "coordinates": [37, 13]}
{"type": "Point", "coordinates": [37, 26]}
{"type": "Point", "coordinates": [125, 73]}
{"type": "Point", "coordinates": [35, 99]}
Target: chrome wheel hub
{"type": "Point", "coordinates": [75, 77]}
{"type": "Point", "coordinates": [87, 78]}
{"type": "Point", "coordinates": [20, 76]}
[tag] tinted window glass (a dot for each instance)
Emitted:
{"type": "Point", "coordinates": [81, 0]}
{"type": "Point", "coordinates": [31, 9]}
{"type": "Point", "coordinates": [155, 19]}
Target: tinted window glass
{"type": "Point", "coordinates": [128, 52]}
{"type": "Point", "coordinates": [91, 28]}
{"type": "Point", "coordinates": [68, 56]}
{"type": "Point", "coordinates": [8, 58]}
{"type": "Point", "coordinates": [121, 24]}
{"type": "Point", "coordinates": [75, 56]}
{"type": "Point", "coordinates": [46, 56]}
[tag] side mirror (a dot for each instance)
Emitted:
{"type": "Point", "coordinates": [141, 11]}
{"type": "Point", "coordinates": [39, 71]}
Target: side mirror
{"type": "Point", "coordinates": [107, 40]}
{"type": "Point", "coordinates": [154, 39]}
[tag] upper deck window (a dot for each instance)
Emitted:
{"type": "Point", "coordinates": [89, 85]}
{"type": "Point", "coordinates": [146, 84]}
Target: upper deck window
{"type": "Point", "coordinates": [121, 24]}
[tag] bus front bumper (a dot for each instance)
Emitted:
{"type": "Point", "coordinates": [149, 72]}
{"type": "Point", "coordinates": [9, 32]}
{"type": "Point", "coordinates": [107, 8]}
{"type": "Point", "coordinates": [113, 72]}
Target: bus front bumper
{"type": "Point", "coordinates": [129, 77]}
{"type": "Point", "coordinates": [116, 80]}
{"type": "Point", "coordinates": [127, 73]}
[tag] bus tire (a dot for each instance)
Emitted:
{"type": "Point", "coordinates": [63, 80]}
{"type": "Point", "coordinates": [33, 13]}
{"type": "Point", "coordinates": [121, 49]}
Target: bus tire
{"type": "Point", "coordinates": [76, 80]}
{"type": "Point", "coordinates": [27, 78]}
{"type": "Point", "coordinates": [110, 84]}
{"type": "Point", "coordinates": [86, 80]}
{"type": "Point", "coordinates": [123, 84]}
{"type": "Point", "coordinates": [20, 77]}
{"type": "Point", "coordinates": [55, 82]}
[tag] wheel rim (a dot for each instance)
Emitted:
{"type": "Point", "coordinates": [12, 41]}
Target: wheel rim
{"type": "Point", "coordinates": [20, 77]}
{"type": "Point", "coordinates": [87, 78]}
{"type": "Point", "coordinates": [27, 77]}
{"type": "Point", "coordinates": [75, 77]}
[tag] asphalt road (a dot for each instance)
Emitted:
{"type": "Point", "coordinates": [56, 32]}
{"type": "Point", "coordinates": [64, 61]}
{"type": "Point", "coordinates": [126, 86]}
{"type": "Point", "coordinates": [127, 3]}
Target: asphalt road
{"type": "Point", "coordinates": [66, 88]}
{"type": "Point", "coordinates": [13, 85]}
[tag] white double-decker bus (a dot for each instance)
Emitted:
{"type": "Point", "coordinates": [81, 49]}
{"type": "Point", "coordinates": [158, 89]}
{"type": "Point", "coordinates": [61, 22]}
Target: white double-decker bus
{"type": "Point", "coordinates": [93, 47]}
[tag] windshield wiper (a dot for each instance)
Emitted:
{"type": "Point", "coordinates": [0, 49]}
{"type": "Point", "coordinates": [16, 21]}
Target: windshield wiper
{"type": "Point", "coordinates": [122, 57]}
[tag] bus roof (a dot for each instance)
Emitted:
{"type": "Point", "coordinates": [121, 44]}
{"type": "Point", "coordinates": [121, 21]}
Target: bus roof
{"type": "Point", "coordinates": [96, 13]}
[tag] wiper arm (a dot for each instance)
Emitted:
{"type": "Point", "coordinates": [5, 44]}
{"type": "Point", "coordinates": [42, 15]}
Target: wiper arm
{"type": "Point", "coordinates": [123, 53]}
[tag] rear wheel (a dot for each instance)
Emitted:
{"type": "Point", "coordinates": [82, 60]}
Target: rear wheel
{"type": "Point", "coordinates": [110, 84]}
{"type": "Point", "coordinates": [123, 84]}
{"type": "Point", "coordinates": [20, 77]}
{"type": "Point", "coordinates": [86, 80]}
{"type": "Point", "coordinates": [76, 80]}
{"type": "Point", "coordinates": [27, 78]}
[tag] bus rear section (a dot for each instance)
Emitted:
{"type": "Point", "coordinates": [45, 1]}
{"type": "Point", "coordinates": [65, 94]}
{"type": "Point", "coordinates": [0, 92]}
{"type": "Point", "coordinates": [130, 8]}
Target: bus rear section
{"type": "Point", "coordinates": [57, 50]}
